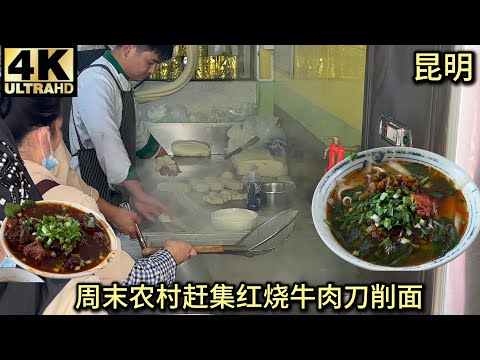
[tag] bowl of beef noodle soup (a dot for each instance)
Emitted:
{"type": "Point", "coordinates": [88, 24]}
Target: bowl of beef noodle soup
{"type": "Point", "coordinates": [57, 239]}
{"type": "Point", "coordinates": [397, 209]}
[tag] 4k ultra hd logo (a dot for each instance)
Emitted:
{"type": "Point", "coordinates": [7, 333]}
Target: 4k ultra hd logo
{"type": "Point", "coordinates": [39, 71]}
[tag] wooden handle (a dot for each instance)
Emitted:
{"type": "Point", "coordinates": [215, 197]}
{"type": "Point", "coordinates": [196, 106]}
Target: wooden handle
{"type": "Point", "coordinates": [205, 249]}
{"type": "Point", "coordinates": [201, 249]}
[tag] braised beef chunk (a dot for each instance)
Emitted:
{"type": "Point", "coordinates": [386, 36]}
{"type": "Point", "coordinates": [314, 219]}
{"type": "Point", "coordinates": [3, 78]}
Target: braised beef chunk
{"type": "Point", "coordinates": [101, 239]}
{"type": "Point", "coordinates": [73, 262]}
{"type": "Point", "coordinates": [14, 231]}
{"type": "Point", "coordinates": [90, 223]}
{"type": "Point", "coordinates": [96, 239]}
{"type": "Point", "coordinates": [19, 233]}
{"type": "Point", "coordinates": [35, 250]}
{"type": "Point", "coordinates": [25, 236]}
{"type": "Point", "coordinates": [377, 233]}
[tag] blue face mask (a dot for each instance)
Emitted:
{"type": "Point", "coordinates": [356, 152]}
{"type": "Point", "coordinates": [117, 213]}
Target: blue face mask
{"type": "Point", "coordinates": [50, 162]}
{"type": "Point", "coordinates": [7, 263]}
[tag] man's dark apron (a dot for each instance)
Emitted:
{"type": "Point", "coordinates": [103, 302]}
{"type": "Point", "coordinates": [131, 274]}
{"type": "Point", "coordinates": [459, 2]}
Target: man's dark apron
{"type": "Point", "coordinates": [92, 172]}
{"type": "Point", "coordinates": [84, 59]}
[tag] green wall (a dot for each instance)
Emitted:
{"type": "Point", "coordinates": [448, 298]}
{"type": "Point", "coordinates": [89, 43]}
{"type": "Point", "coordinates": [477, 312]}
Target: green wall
{"type": "Point", "coordinates": [326, 92]}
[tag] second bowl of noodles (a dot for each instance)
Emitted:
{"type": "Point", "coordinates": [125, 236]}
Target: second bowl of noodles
{"type": "Point", "coordinates": [397, 209]}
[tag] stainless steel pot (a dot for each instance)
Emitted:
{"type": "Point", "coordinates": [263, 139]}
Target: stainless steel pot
{"type": "Point", "coordinates": [276, 194]}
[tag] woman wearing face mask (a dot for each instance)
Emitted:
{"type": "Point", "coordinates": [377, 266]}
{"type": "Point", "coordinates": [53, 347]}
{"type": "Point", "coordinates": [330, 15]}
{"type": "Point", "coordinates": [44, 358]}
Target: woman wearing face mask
{"type": "Point", "coordinates": [35, 127]}
{"type": "Point", "coordinates": [58, 163]}
{"type": "Point", "coordinates": [35, 124]}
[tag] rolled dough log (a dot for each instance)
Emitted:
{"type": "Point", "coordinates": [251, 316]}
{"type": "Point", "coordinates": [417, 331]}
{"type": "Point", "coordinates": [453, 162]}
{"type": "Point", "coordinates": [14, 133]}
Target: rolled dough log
{"type": "Point", "coordinates": [190, 148]}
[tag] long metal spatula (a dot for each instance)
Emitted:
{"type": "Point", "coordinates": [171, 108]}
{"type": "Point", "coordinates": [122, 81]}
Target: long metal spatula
{"type": "Point", "coordinates": [264, 238]}
{"type": "Point", "coordinates": [245, 146]}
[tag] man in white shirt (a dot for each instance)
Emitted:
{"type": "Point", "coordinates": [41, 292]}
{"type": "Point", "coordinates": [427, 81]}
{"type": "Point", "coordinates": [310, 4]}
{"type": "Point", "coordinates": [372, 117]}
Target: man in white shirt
{"type": "Point", "coordinates": [87, 54]}
{"type": "Point", "coordinates": [105, 136]}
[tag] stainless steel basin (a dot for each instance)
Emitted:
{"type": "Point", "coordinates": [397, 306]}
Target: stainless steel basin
{"type": "Point", "coordinates": [276, 194]}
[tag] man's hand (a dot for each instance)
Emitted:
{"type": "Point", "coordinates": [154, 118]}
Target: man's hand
{"type": "Point", "coordinates": [124, 220]}
{"type": "Point", "coordinates": [150, 207]}
{"type": "Point", "coordinates": [180, 250]}
{"type": "Point", "coordinates": [146, 205]}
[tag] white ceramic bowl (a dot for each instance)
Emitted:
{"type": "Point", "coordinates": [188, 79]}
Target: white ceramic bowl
{"type": "Point", "coordinates": [100, 266]}
{"type": "Point", "coordinates": [462, 180]}
{"type": "Point", "coordinates": [234, 219]}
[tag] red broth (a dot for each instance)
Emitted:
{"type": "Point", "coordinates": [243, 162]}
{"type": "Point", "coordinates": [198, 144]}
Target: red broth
{"type": "Point", "coordinates": [397, 214]}
{"type": "Point", "coordinates": [57, 238]}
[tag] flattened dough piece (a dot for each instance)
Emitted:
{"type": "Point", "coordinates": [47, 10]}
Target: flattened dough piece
{"type": "Point", "coordinates": [226, 194]}
{"type": "Point", "coordinates": [215, 198]}
{"type": "Point", "coordinates": [235, 195]}
{"type": "Point", "coordinates": [214, 183]}
{"type": "Point", "coordinates": [200, 186]}
{"type": "Point", "coordinates": [232, 184]}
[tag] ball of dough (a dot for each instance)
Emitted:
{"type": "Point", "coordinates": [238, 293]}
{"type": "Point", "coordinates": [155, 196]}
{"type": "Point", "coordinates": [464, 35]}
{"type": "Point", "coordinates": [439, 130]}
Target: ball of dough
{"type": "Point", "coordinates": [227, 175]}
{"type": "Point", "coordinates": [234, 219]}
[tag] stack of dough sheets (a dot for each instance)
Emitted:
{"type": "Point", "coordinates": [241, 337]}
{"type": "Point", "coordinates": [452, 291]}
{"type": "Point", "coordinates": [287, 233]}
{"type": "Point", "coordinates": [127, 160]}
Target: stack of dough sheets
{"type": "Point", "coordinates": [267, 164]}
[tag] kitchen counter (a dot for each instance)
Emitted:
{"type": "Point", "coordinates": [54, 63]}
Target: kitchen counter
{"type": "Point", "coordinates": [303, 261]}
